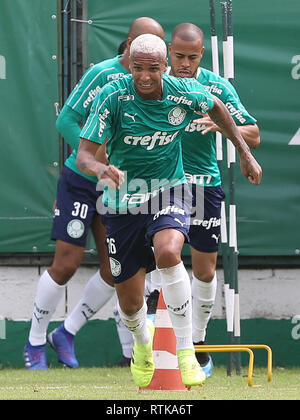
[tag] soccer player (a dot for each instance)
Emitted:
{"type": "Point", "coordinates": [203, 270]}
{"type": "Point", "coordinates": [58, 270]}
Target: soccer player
{"type": "Point", "coordinates": [201, 168]}
{"type": "Point", "coordinates": [75, 215]}
{"type": "Point", "coordinates": [140, 118]}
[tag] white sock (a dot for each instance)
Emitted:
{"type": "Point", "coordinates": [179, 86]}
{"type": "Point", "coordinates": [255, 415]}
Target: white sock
{"type": "Point", "coordinates": [125, 336]}
{"type": "Point", "coordinates": [155, 279]}
{"type": "Point", "coordinates": [204, 295]}
{"type": "Point", "coordinates": [96, 294]}
{"type": "Point", "coordinates": [150, 287]}
{"type": "Point", "coordinates": [137, 324]}
{"type": "Point", "coordinates": [47, 297]}
{"type": "Point", "coordinates": [176, 289]}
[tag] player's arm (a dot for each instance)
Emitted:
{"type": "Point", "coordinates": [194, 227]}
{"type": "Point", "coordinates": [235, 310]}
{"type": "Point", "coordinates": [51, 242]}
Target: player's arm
{"type": "Point", "coordinates": [91, 159]}
{"type": "Point", "coordinates": [221, 117]}
{"type": "Point", "coordinates": [249, 132]}
{"type": "Point", "coordinates": [68, 126]}
{"type": "Point", "coordinates": [76, 107]}
{"type": "Point", "coordinates": [101, 154]}
{"type": "Point", "coordinates": [249, 129]}
{"type": "Point", "coordinates": [87, 162]}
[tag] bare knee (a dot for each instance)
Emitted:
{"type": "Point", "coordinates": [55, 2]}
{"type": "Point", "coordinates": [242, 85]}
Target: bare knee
{"type": "Point", "coordinates": [131, 293]}
{"type": "Point", "coordinates": [167, 256]}
{"type": "Point", "coordinates": [61, 272]}
{"type": "Point", "coordinates": [131, 303]}
{"type": "Point", "coordinates": [206, 275]}
{"type": "Point", "coordinates": [131, 307]}
{"type": "Point", "coordinates": [204, 265]}
{"type": "Point", "coordinates": [66, 261]}
{"type": "Point", "coordinates": [167, 247]}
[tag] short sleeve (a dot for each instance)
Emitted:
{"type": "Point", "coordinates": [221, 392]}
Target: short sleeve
{"type": "Point", "coordinates": [98, 126]}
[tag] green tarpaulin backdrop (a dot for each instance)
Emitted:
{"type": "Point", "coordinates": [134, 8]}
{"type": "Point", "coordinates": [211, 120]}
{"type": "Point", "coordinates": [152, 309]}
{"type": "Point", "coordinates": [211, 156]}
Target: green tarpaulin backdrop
{"type": "Point", "coordinates": [29, 144]}
{"type": "Point", "coordinates": [267, 77]}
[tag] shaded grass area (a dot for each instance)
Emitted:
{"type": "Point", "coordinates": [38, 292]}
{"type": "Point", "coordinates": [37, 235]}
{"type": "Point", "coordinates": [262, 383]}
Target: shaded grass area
{"type": "Point", "coordinates": [113, 384]}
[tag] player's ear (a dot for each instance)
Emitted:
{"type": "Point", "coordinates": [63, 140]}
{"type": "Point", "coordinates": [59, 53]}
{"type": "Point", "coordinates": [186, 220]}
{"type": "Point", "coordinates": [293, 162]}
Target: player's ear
{"type": "Point", "coordinates": [165, 64]}
{"type": "Point", "coordinates": [170, 48]}
{"type": "Point", "coordinates": [128, 42]}
{"type": "Point", "coordinates": [202, 51]}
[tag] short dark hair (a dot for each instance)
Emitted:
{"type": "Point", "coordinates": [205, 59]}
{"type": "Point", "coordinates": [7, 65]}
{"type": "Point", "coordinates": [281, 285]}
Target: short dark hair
{"type": "Point", "coordinates": [187, 32]}
{"type": "Point", "coordinates": [122, 47]}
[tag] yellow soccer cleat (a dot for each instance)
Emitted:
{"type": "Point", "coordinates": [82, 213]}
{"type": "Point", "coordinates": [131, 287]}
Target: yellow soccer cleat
{"type": "Point", "coordinates": [190, 370]}
{"type": "Point", "coordinates": [142, 363]}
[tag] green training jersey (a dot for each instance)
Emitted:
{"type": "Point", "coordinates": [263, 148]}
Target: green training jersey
{"type": "Point", "coordinates": [82, 96]}
{"type": "Point", "coordinates": [144, 136]}
{"type": "Point", "coordinates": [200, 163]}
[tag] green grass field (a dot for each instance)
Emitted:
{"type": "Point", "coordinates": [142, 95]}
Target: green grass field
{"type": "Point", "coordinates": [116, 384]}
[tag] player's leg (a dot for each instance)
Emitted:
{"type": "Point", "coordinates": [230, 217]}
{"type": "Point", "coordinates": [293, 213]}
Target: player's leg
{"type": "Point", "coordinates": [204, 240]}
{"type": "Point", "coordinates": [75, 208]}
{"type": "Point", "coordinates": [99, 288]}
{"type": "Point", "coordinates": [69, 233]}
{"type": "Point", "coordinates": [152, 289]}
{"type": "Point", "coordinates": [50, 290]}
{"type": "Point", "coordinates": [168, 230]}
{"type": "Point", "coordinates": [177, 295]}
{"type": "Point", "coordinates": [132, 309]}
{"type": "Point", "coordinates": [131, 258]}
{"type": "Point", "coordinates": [204, 286]}
{"type": "Point", "coordinates": [97, 292]}
{"type": "Point", "coordinates": [99, 233]}
{"type": "Point", "coordinates": [67, 259]}
{"type": "Point", "coordinates": [76, 204]}
{"type": "Point", "coordinates": [125, 336]}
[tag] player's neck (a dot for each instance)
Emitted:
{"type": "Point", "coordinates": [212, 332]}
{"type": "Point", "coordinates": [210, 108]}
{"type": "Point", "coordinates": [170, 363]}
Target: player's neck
{"type": "Point", "coordinates": [157, 95]}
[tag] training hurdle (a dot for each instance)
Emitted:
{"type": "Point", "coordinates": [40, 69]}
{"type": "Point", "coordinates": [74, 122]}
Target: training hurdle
{"type": "Point", "coordinates": [228, 239]}
{"type": "Point", "coordinates": [230, 348]}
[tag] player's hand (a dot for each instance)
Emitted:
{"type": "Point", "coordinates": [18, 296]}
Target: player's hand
{"type": "Point", "coordinates": [111, 176]}
{"type": "Point", "coordinates": [250, 168]}
{"type": "Point", "coordinates": [210, 126]}
{"type": "Point", "coordinates": [54, 206]}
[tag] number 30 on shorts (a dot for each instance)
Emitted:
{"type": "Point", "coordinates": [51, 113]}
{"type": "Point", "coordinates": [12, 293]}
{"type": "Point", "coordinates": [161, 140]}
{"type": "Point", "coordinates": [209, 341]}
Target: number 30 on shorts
{"type": "Point", "coordinates": [80, 209]}
{"type": "Point", "coordinates": [111, 246]}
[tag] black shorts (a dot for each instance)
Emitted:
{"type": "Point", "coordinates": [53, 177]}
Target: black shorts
{"type": "Point", "coordinates": [129, 236]}
{"type": "Point", "coordinates": [75, 208]}
{"type": "Point", "coordinates": [205, 230]}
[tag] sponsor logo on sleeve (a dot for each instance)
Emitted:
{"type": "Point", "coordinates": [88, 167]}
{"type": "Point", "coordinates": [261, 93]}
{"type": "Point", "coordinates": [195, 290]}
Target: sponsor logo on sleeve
{"type": "Point", "coordinates": [102, 123]}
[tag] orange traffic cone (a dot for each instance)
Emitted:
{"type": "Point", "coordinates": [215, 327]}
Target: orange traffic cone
{"type": "Point", "coordinates": [167, 374]}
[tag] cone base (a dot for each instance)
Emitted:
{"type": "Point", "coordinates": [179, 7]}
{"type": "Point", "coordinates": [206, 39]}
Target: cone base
{"type": "Point", "coordinates": [166, 379]}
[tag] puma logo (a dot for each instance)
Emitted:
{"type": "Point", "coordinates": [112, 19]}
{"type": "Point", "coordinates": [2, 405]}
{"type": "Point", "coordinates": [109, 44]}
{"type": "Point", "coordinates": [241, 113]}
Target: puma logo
{"type": "Point", "coordinates": [37, 317]}
{"type": "Point", "coordinates": [177, 220]}
{"type": "Point", "coordinates": [215, 237]}
{"type": "Point", "coordinates": [130, 116]}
